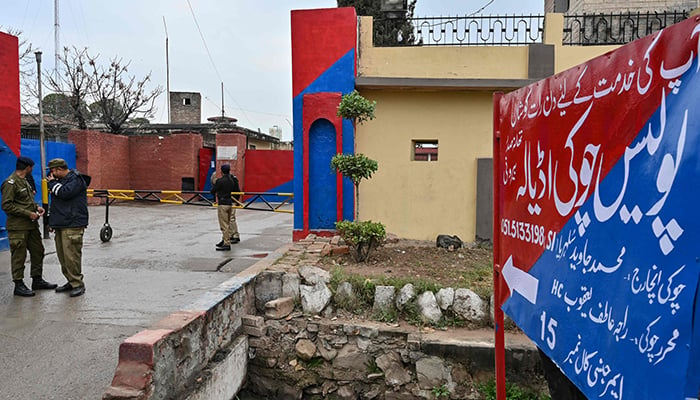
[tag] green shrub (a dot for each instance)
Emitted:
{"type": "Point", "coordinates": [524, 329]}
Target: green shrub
{"type": "Point", "coordinates": [361, 237]}
{"type": "Point", "coordinates": [356, 108]}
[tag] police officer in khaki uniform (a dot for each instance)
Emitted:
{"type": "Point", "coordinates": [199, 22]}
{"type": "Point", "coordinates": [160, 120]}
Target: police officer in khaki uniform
{"type": "Point", "coordinates": [226, 212]}
{"type": "Point", "coordinates": [23, 228]}
{"type": "Point", "coordinates": [68, 217]}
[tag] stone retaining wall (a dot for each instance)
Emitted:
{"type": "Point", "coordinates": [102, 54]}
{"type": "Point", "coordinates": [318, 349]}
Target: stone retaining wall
{"type": "Point", "coordinates": [210, 349]}
{"type": "Point", "coordinates": [301, 357]}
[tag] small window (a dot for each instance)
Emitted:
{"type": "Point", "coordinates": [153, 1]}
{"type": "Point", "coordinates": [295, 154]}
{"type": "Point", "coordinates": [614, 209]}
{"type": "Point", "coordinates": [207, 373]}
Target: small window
{"type": "Point", "coordinates": [186, 101]}
{"type": "Point", "coordinates": [251, 147]}
{"type": "Point", "coordinates": [425, 150]}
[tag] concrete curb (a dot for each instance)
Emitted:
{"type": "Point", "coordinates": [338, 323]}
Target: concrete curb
{"type": "Point", "coordinates": [164, 360]}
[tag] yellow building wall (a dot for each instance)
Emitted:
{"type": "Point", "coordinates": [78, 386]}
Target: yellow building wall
{"type": "Point", "coordinates": [259, 144]}
{"type": "Point", "coordinates": [421, 199]}
{"type": "Point", "coordinates": [455, 62]}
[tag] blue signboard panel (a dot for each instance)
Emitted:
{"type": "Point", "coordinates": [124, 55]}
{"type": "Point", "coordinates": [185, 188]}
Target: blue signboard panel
{"type": "Point", "coordinates": [599, 223]}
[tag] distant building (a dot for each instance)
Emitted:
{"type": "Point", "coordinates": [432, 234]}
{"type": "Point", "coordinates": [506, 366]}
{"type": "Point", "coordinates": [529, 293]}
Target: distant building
{"type": "Point", "coordinates": [185, 108]}
{"type": "Point", "coordinates": [275, 131]}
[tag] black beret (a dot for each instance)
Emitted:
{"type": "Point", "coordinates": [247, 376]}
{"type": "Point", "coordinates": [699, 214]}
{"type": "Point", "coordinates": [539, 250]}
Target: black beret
{"type": "Point", "coordinates": [24, 162]}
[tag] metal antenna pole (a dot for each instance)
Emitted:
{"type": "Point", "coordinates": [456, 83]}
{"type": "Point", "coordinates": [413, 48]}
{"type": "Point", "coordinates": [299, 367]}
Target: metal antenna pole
{"type": "Point", "coordinates": [42, 150]}
{"type": "Point", "coordinates": [223, 113]}
{"type": "Point", "coordinates": [167, 68]}
{"type": "Point", "coordinates": [56, 28]}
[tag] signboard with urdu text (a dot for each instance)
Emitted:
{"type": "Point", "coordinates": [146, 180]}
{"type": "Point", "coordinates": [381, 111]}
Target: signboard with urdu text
{"type": "Point", "coordinates": [599, 216]}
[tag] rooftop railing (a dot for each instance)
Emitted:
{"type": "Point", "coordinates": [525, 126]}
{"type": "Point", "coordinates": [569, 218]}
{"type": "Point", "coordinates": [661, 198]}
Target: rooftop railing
{"type": "Point", "coordinates": [616, 28]}
{"type": "Point", "coordinates": [459, 31]}
{"type": "Point", "coordinates": [579, 30]}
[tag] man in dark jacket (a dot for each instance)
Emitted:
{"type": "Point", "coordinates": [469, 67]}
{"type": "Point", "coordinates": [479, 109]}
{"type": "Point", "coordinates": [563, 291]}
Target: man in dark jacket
{"type": "Point", "coordinates": [226, 212]}
{"type": "Point", "coordinates": [23, 228]}
{"type": "Point", "coordinates": [68, 217]}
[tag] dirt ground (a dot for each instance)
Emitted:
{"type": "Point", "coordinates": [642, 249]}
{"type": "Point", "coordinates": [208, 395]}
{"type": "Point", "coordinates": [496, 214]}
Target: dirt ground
{"type": "Point", "coordinates": [466, 267]}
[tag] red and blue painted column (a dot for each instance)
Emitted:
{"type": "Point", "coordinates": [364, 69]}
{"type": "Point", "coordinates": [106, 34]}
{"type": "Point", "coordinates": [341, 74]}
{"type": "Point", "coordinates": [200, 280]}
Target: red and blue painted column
{"type": "Point", "coordinates": [323, 70]}
{"type": "Point", "coordinates": [9, 115]}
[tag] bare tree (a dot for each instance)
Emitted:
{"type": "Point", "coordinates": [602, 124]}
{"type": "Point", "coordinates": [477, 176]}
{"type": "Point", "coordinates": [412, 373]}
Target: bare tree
{"type": "Point", "coordinates": [74, 82]}
{"type": "Point", "coordinates": [119, 96]}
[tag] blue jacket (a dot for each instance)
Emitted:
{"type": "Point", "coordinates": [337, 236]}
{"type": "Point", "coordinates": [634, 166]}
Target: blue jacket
{"type": "Point", "coordinates": [68, 207]}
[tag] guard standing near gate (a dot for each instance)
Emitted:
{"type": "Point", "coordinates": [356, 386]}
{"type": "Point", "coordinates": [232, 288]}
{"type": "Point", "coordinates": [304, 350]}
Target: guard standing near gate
{"type": "Point", "coordinates": [23, 228]}
{"type": "Point", "coordinates": [226, 212]}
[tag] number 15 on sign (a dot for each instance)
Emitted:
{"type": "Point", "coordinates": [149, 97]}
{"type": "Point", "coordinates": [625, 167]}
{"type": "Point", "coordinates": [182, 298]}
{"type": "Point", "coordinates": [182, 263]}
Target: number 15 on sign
{"type": "Point", "coordinates": [547, 333]}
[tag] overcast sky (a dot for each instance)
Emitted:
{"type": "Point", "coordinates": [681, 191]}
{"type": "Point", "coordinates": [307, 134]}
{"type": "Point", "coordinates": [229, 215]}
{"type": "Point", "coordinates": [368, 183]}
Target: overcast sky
{"type": "Point", "coordinates": [248, 44]}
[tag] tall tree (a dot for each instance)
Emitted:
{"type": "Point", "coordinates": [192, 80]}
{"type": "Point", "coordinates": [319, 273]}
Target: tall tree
{"type": "Point", "coordinates": [387, 31]}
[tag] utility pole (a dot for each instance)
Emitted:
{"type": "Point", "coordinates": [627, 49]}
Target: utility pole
{"type": "Point", "coordinates": [167, 69]}
{"type": "Point", "coordinates": [223, 113]}
{"type": "Point", "coordinates": [42, 150]}
{"type": "Point", "coordinates": [56, 44]}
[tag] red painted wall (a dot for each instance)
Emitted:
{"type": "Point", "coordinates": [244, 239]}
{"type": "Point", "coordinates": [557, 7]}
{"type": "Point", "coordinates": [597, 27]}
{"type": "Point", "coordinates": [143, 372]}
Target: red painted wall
{"type": "Point", "coordinates": [9, 92]}
{"type": "Point", "coordinates": [105, 157]}
{"type": "Point", "coordinates": [319, 38]}
{"type": "Point", "coordinates": [268, 169]}
{"type": "Point", "coordinates": [205, 157]}
{"type": "Point", "coordinates": [137, 162]}
{"type": "Point", "coordinates": [160, 164]}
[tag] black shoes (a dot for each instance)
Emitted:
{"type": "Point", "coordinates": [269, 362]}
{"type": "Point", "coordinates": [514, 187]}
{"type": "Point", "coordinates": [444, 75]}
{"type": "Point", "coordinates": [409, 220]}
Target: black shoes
{"type": "Point", "coordinates": [234, 240]}
{"type": "Point", "coordinates": [39, 283]}
{"type": "Point", "coordinates": [22, 290]}
{"type": "Point", "coordinates": [65, 288]}
{"type": "Point", "coordinates": [223, 247]}
{"type": "Point", "coordinates": [74, 292]}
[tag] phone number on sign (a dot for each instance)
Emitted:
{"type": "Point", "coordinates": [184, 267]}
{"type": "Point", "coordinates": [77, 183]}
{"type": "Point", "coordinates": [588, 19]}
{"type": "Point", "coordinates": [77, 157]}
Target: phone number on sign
{"type": "Point", "coordinates": [524, 231]}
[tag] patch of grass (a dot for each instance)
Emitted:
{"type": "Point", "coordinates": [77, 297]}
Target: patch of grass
{"type": "Point", "coordinates": [365, 286]}
{"type": "Point", "coordinates": [314, 363]}
{"type": "Point", "coordinates": [479, 279]}
{"type": "Point", "coordinates": [410, 313]}
{"type": "Point", "coordinates": [449, 319]}
{"type": "Point", "coordinates": [513, 392]}
{"type": "Point", "coordinates": [385, 316]}
{"type": "Point", "coordinates": [441, 391]}
{"type": "Point", "coordinates": [372, 367]}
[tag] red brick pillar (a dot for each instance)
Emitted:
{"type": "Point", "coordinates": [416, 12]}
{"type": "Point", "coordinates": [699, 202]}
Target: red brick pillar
{"type": "Point", "coordinates": [230, 149]}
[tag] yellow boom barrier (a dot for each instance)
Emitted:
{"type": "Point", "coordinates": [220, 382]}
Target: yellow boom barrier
{"type": "Point", "coordinates": [259, 201]}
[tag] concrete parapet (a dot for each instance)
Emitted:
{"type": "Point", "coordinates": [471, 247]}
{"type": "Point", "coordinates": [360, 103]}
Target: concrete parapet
{"type": "Point", "coordinates": [182, 354]}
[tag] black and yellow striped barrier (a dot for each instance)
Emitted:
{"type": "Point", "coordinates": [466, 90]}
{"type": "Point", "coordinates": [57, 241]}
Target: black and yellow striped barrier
{"type": "Point", "coordinates": [259, 201]}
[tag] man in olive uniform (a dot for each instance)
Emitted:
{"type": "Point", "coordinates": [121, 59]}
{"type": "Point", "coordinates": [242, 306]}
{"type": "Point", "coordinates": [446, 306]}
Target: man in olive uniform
{"type": "Point", "coordinates": [68, 217]}
{"type": "Point", "coordinates": [23, 228]}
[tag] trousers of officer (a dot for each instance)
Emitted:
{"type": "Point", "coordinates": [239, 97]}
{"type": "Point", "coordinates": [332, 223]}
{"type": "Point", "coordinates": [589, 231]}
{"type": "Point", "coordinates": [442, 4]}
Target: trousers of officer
{"type": "Point", "coordinates": [20, 242]}
{"type": "Point", "coordinates": [69, 249]}
{"type": "Point", "coordinates": [227, 222]}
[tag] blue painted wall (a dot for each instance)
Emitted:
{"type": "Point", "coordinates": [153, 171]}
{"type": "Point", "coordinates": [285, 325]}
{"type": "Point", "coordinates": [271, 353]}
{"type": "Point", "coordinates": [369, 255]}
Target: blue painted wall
{"type": "Point", "coordinates": [31, 149]}
{"type": "Point", "coordinates": [322, 180]}
{"type": "Point", "coordinates": [338, 78]}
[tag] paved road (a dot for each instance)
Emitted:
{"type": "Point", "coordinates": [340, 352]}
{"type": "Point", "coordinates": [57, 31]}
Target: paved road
{"type": "Point", "coordinates": [160, 259]}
